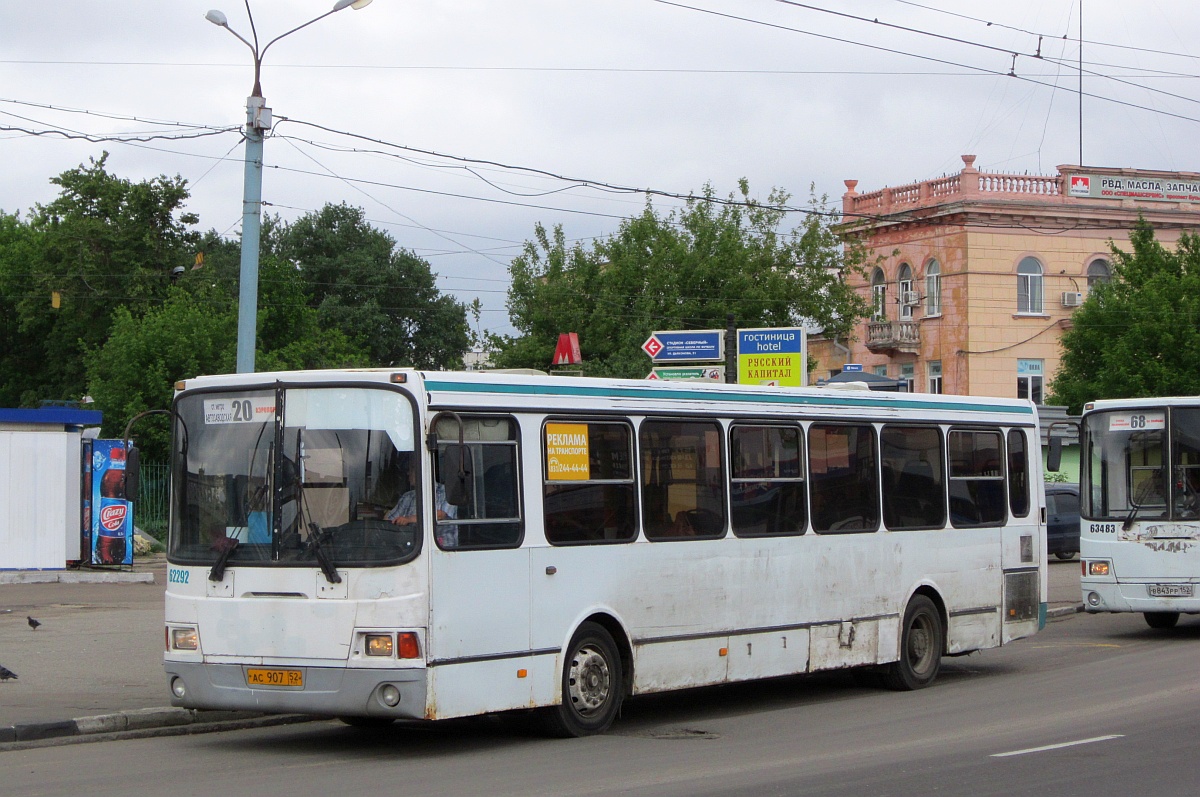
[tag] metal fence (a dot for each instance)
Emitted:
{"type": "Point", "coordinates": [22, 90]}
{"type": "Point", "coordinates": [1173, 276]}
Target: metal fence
{"type": "Point", "coordinates": [150, 511]}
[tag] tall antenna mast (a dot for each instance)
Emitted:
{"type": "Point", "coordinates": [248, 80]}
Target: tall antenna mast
{"type": "Point", "coordinates": [1081, 82]}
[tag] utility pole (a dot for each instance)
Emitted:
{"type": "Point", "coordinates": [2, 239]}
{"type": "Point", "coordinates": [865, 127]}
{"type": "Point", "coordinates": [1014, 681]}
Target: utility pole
{"type": "Point", "coordinates": [258, 122]}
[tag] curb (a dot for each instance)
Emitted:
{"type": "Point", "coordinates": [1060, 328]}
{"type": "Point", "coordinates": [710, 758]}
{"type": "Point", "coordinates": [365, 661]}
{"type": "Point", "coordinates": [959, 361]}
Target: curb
{"type": "Point", "coordinates": [74, 577]}
{"type": "Point", "coordinates": [1064, 611]}
{"type": "Point", "coordinates": [178, 720]}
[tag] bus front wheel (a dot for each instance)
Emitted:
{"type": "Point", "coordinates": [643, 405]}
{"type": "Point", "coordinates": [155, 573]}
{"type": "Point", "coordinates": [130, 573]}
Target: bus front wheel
{"type": "Point", "coordinates": [922, 639]}
{"type": "Point", "coordinates": [592, 685]}
{"type": "Point", "coordinates": [1162, 619]}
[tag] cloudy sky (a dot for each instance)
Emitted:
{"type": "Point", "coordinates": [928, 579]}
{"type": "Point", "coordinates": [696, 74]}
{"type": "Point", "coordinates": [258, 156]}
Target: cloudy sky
{"type": "Point", "coordinates": [413, 109]}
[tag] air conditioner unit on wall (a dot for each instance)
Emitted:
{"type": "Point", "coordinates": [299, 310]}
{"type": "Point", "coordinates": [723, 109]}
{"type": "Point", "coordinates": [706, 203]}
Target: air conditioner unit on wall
{"type": "Point", "coordinates": [1072, 298]}
{"type": "Point", "coordinates": [910, 298]}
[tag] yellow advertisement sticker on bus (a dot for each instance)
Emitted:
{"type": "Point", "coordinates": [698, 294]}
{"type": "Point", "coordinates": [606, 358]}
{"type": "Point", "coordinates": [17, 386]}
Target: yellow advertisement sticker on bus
{"type": "Point", "coordinates": [567, 452]}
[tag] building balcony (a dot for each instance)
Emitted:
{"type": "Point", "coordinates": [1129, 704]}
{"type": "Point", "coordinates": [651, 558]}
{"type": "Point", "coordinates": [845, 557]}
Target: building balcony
{"type": "Point", "coordinates": [886, 337]}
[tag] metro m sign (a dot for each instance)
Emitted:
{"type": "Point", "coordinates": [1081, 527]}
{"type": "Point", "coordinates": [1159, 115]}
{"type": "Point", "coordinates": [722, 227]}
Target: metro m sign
{"type": "Point", "coordinates": [567, 351]}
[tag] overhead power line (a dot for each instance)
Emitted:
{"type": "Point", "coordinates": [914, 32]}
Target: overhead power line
{"type": "Point", "coordinates": [894, 51]}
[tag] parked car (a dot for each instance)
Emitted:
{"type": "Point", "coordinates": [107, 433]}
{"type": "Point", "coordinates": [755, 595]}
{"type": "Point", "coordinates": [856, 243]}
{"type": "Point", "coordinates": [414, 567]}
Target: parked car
{"type": "Point", "coordinates": [1062, 519]}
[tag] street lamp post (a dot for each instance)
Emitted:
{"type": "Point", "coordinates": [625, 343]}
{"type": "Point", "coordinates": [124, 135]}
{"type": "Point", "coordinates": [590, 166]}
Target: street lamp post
{"type": "Point", "coordinates": [258, 121]}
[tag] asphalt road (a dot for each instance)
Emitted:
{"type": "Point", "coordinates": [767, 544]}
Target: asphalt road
{"type": "Point", "coordinates": [1094, 705]}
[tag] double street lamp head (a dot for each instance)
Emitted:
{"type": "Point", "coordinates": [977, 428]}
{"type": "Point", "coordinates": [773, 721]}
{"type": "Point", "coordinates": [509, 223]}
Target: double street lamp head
{"type": "Point", "coordinates": [219, 19]}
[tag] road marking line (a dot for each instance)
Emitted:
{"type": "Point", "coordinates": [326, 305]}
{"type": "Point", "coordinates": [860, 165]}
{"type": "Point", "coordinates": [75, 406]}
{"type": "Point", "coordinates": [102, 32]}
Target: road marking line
{"type": "Point", "coordinates": [1058, 746]}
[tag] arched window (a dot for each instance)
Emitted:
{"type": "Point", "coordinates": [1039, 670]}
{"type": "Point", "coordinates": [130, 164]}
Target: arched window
{"type": "Point", "coordinates": [1098, 271]}
{"type": "Point", "coordinates": [1029, 286]}
{"type": "Point", "coordinates": [878, 295]}
{"type": "Point", "coordinates": [904, 287]}
{"type": "Point", "coordinates": [933, 288]}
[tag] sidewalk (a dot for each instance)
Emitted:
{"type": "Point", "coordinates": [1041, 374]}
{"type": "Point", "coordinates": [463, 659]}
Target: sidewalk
{"type": "Point", "coordinates": [95, 663]}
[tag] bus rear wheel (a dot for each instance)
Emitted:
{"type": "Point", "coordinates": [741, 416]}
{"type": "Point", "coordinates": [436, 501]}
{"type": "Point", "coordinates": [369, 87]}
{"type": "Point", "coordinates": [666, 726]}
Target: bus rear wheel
{"type": "Point", "coordinates": [922, 639]}
{"type": "Point", "coordinates": [1162, 619]}
{"type": "Point", "coordinates": [592, 685]}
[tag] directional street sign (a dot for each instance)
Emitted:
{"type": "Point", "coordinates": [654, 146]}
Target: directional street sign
{"type": "Point", "coordinates": [695, 373]}
{"type": "Point", "coordinates": [692, 345]}
{"type": "Point", "coordinates": [652, 346]}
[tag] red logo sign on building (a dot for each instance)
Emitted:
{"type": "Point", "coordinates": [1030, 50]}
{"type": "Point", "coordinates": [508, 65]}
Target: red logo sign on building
{"type": "Point", "coordinates": [1081, 186]}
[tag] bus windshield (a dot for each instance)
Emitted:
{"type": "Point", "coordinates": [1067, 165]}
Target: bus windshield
{"type": "Point", "coordinates": [298, 476]}
{"type": "Point", "coordinates": [1142, 464]}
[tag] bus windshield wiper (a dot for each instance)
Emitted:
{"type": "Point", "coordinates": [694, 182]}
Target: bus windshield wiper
{"type": "Point", "coordinates": [226, 546]}
{"type": "Point", "coordinates": [316, 540]}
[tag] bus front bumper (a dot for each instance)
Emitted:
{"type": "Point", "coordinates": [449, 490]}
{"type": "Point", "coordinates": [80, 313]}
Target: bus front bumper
{"type": "Point", "coordinates": [1110, 596]}
{"type": "Point", "coordinates": [329, 691]}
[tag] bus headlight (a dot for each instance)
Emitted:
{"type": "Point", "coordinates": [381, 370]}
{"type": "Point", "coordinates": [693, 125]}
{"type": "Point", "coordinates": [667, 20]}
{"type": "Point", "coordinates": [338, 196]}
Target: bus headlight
{"type": "Point", "coordinates": [185, 639]}
{"type": "Point", "coordinates": [379, 645]}
{"type": "Point", "coordinates": [178, 688]}
{"type": "Point", "coordinates": [1098, 569]}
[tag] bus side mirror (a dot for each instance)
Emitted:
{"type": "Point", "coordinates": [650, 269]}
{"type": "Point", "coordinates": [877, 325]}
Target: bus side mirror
{"type": "Point", "coordinates": [1054, 455]}
{"type": "Point", "coordinates": [456, 474]}
{"type": "Point", "coordinates": [131, 474]}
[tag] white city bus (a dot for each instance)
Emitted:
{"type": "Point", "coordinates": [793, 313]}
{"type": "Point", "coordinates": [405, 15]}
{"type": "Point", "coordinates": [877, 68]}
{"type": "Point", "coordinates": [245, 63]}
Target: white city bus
{"type": "Point", "coordinates": [577, 541]}
{"type": "Point", "coordinates": [1139, 490]}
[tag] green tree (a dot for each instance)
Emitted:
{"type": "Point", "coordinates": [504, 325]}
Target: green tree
{"type": "Point", "coordinates": [380, 296]}
{"type": "Point", "coordinates": [1138, 335]}
{"type": "Point", "coordinates": [103, 243]}
{"type": "Point", "coordinates": [194, 332]}
{"type": "Point", "coordinates": [20, 357]}
{"type": "Point", "coordinates": [686, 269]}
{"type": "Point", "coordinates": [136, 368]}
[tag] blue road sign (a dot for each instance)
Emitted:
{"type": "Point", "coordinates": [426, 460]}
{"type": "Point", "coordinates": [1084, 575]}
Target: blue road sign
{"type": "Point", "coordinates": [770, 341]}
{"type": "Point", "coordinates": [686, 346]}
{"type": "Point", "coordinates": [854, 367]}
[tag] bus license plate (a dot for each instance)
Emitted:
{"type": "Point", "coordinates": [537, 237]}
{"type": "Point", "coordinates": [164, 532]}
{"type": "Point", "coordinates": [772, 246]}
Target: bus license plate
{"type": "Point", "coordinates": [274, 677]}
{"type": "Point", "coordinates": [1171, 590]}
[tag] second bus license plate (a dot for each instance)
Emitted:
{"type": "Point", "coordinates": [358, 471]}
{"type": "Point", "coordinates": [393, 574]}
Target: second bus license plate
{"type": "Point", "coordinates": [259, 676]}
{"type": "Point", "coordinates": [1170, 590]}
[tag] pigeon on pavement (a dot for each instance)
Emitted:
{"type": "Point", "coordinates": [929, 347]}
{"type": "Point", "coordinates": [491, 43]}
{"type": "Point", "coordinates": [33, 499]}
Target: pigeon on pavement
{"type": "Point", "coordinates": [6, 673]}
{"type": "Point", "coordinates": [33, 623]}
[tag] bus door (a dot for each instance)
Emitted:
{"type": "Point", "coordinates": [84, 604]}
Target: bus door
{"type": "Point", "coordinates": [479, 574]}
{"type": "Point", "coordinates": [1023, 547]}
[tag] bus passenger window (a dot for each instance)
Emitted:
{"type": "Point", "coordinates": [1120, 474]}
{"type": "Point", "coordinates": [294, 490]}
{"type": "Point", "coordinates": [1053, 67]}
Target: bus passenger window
{"type": "Point", "coordinates": [589, 487]}
{"type": "Point", "coordinates": [490, 513]}
{"type": "Point", "coordinates": [914, 494]}
{"type": "Point", "coordinates": [842, 474]}
{"type": "Point", "coordinates": [683, 484]}
{"type": "Point", "coordinates": [767, 485]}
{"type": "Point", "coordinates": [976, 479]}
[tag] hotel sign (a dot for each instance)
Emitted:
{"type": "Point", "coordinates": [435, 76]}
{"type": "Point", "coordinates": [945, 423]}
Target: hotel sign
{"type": "Point", "coordinates": [1107, 186]}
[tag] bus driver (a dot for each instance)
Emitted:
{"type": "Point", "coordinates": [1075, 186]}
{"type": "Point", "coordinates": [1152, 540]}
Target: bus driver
{"type": "Point", "coordinates": [404, 513]}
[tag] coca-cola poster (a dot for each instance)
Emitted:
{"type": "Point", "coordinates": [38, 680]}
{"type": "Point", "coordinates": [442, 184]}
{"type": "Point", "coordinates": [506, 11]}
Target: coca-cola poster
{"type": "Point", "coordinates": [112, 515]}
